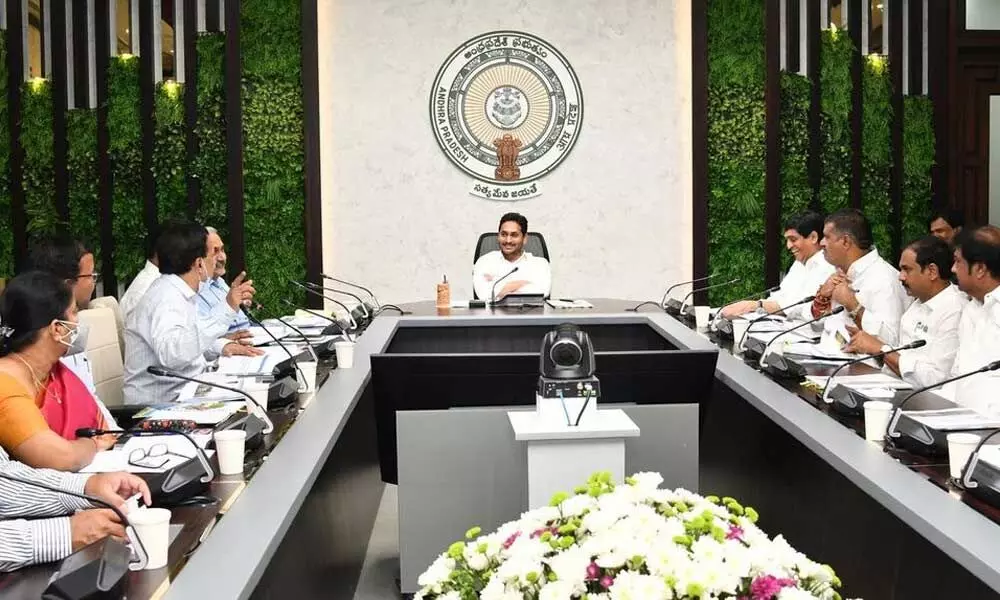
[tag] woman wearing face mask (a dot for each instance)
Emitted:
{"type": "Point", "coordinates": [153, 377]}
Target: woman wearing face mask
{"type": "Point", "coordinates": [42, 403]}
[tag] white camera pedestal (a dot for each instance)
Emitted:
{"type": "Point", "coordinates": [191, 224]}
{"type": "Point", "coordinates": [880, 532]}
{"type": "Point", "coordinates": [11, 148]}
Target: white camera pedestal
{"type": "Point", "coordinates": [562, 457]}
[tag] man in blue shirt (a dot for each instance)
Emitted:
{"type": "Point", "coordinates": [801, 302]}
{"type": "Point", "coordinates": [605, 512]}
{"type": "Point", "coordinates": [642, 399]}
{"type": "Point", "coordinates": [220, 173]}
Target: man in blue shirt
{"type": "Point", "coordinates": [214, 291]}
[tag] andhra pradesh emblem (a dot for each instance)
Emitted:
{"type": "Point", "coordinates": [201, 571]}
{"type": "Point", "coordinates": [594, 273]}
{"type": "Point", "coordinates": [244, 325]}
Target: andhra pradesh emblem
{"type": "Point", "coordinates": [506, 108]}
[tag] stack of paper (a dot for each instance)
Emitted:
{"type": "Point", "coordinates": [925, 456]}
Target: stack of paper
{"type": "Point", "coordinates": [262, 337]}
{"type": "Point", "coordinates": [953, 419]}
{"type": "Point", "coordinates": [203, 412]}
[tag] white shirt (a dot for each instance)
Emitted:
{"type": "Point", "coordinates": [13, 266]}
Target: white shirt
{"type": "Point", "coordinates": [492, 266]}
{"type": "Point", "coordinates": [802, 281]}
{"type": "Point", "coordinates": [165, 331]}
{"type": "Point", "coordinates": [135, 292]}
{"type": "Point", "coordinates": [877, 287]}
{"type": "Point", "coordinates": [978, 344]}
{"type": "Point", "coordinates": [935, 322]}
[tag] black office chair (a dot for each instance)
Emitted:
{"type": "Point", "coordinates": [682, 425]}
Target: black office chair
{"type": "Point", "coordinates": [535, 244]}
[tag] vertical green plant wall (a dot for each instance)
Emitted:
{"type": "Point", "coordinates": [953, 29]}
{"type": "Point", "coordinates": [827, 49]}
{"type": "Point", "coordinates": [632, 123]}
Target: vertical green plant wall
{"type": "Point", "coordinates": [918, 159]}
{"type": "Point", "coordinates": [125, 148]}
{"type": "Point", "coordinates": [209, 165]}
{"type": "Point", "coordinates": [876, 157]}
{"type": "Point", "coordinates": [273, 153]}
{"type": "Point", "coordinates": [6, 230]}
{"type": "Point", "coordinates": [81, 164]}
{"type": "Point", "coordinates": [169, 152]}
{"type": "Point", "coordinates": [835, 111]}
{"type": "Point", "coordinates": [38, 177]}
{"type": "Point", "coordinates": [796, 193]}
{"type": "Point", "coordinates": [736, 144]}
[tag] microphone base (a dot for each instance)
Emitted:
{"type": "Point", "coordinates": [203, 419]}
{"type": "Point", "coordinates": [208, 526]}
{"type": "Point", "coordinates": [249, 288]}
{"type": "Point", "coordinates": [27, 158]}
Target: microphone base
{"type": "Point", "coordinates": [249, 423]}
{"type": "Point", "coordinates": [724, 328]}
{"type": "Point", "coordinates": [673, 307]}
{"type": "Point", "coordinates": [780, 367]}
{"type": "Point", "coordinates": [97, 570]}
{"type": "Point", "coordinates": [847, 401]}
{"type": "Point", "coordinates": [987, 478]}
{"type": "Point", "coordinates": [176, 485]}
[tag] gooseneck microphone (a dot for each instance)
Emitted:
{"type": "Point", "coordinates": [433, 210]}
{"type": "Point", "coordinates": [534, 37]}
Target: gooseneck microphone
{"type": "Point", "coordinates": [379, 307]}
{"type": "Point", "coordinates": [141, 557]}
{"type": "Point", "coordinates": [291, 357]}
{"type": "Point", "coordinates": [89, 432]}
{"type": "Point", "coordinates": [707, 287]}
{"type": "Point", "coordinates": [891, 432]}
{"type": "Point", "coordinates": [764, 316]}
{"type": "Point", "coordinates": [365, 313]}
{"type": "Point", "coordinates": [770, 290]}
{"type": "Point", "coordinates": [763, 354]}
{"type": "Point", "coordinates": [333, 322]}
{"type": "Point", "coordinates": [354, 324]}
{"type": "Point", "coordinates": [910, 346]}
{"type": "Point", "coordinates": [970, 465]}
{"type": "Point", "coordinates": [493, 292]}
{"type": "Point", "coordinates": [309, 348]}
{"type": "Point", "coordinates": [663, 300]}
{"type": "Point", "coordinates": [260, 413]}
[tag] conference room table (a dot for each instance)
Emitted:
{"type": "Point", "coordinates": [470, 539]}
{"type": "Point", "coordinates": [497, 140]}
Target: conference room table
{"type": "Point", "coordinates": [297, 523]}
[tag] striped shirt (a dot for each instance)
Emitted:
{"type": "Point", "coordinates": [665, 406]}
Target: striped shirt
{"type": "Point", "coordinates": [25, 538]}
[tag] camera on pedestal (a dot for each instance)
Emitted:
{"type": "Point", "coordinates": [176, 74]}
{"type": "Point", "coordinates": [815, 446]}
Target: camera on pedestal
{"type": "Point", "coordinates": [567, 388]}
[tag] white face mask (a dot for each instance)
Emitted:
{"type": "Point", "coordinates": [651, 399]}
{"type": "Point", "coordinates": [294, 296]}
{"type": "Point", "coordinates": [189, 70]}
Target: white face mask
{"type": "Point", "coordinates": [71, 337]}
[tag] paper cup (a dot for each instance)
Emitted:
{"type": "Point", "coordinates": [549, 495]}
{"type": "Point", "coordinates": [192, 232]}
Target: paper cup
{"type": "Point", "coordinates": [307, 370]}
{"type": "Point", "coordinates": [877, 414]}
{"type": "Point", "coordinates": [701, 316]}
{"type": "Point", "coordinates": [258, 390]}
{"type": "Point", "coordinates": [740, 327]}
{"type": "Point", "coordinates": [152, 525]}
{"type": "Point", "coordinates": [960, 446]}
{"type": "Point", "coordinates": [230, 446]}
{"type": "Point", "coordinates": [345, 354]}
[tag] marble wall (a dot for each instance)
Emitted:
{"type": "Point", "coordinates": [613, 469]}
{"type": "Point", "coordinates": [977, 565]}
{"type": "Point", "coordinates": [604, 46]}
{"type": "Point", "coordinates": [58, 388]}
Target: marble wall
{"type": "Point", "coordinates": [397, 214]}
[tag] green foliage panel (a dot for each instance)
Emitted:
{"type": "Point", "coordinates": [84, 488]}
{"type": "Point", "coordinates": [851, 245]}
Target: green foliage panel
{"type": "Point", "coordinates": [210, 162]}
{"type": "Point", "coordinates": [38, 177]}
{"type": "Point", "coordinates": [796, 192]}
{"type": "Point", "coordinates": [736, 42]}
{"type": "Point", "coordinates": [918, 159]}
{"type": "Point", "coordinates": [876, 157]}
{"type": "Point", "coordinates": [124, 127]}
{"type": "Point", "coordinates": [835, 126]}
{"type": "Point", "coordinates": [169, 152]}
{"type": "Point", "coordinates": [6, 224]}
{"type": "Point", "coordinates": [83, 200]}
{"type": "Point", "coordinates": [736, 176]}
{"type": "Point", "coordinates": [273, 157]}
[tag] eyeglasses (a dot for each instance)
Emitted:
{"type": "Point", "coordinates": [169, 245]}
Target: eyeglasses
{"type": "Point", "coordinates": [95, 276]}
{"type": "Point", "coordinates": [153, 457]}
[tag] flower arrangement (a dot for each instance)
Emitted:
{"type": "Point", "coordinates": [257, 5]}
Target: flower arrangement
{"type": "Point", "coordinates": [629, 542]}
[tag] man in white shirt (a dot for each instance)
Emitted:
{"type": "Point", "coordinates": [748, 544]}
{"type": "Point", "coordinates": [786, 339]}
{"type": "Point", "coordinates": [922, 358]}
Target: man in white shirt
{"type": "Point", "coordinates": [865, 285]}
{"type": "Point", "coordinates": [137, 289]}
{"type": "Point", "coordinates": [165, 330]}
{"type": "Point", "coordinates": [803, 233]}
{"type": "Point", "coordinates": [534, 275]}
{"type": "Point", "coordinates": [214, 290]}
{"type": "Point", "coordinates": [924, 270]}
{"type": "Point", "coordinates": [977, 266]}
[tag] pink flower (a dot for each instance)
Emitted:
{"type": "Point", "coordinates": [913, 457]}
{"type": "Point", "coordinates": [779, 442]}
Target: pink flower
{"type": "Point", "coordinates": [510, 541]}
{"type": "Point", "coordinates": [607, 581]}
{"type": "Point", "coordinates": [768, 586]}
{"type": "Point", "coordinates": [735, 533]}
{"type": "Point", "coordinates": [593, 571]}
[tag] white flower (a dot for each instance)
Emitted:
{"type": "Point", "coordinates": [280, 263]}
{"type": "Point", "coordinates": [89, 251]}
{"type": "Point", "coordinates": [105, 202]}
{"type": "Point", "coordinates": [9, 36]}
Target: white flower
{"type": "Point", "coordinates": [794, 594]}
{"type": "Point", "coordinates": [557, 590]}
{"type": "Point", "coordinates": [496, 590]}
{"type": "Point", "coordinates": [647, 481]}
{"type": "Point", "coordinates": [575, 506]}
{"type": "Point", "coordinates": [633, 586]}
{"type": "Point", "coordinates": [437, 573]}
{"type": "Point", "coordinates": [570, 566]}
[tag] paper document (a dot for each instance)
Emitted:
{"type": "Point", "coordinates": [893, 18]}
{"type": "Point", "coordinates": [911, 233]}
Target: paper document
{"type": "Point", "coordinates": [146, 454]}
{"type": "Point", "coordinates": [261, 337]}
{"type": "Point", "coordinates": [863, 382]}
{"type": "Point", "coordinates": [207, 412]}
{"type": "Point", "coordinates": [568, 303]}
{"type": "Point", "coordinates": [262, 365]}
{"type": "Point", "coordinates": [953, 419]}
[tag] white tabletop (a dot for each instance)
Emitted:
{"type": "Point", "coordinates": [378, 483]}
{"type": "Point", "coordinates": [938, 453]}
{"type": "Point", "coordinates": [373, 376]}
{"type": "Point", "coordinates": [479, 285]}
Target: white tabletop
{"type": "Point", "coordinates": [528, 426]}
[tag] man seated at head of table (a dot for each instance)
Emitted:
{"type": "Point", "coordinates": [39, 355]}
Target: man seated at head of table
{"type": "Point", "coordinates": [865, 285]}
{"type": "Point", "coordinates": [166, 331]}
{"type": "Point", "coordinates": [803, 236]}
{"type": "Point", "coordinates": [38, 526]}
{"type": "Point", "coordinates": [534, 274]}
{"type": "Point", "coordinates": [977, 266]}
{"type": "Point", "coordinates": [43, 402]}
{"type": "Point", "coordinates": [213, 292]}
{"type": "Point", "coordinates": [924, 270]}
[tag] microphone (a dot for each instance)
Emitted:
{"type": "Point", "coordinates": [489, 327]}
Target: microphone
{"type": "Point", "coordinates": [663, 301]}
{"type": "Point", "coordinates": [764, 316]}
{"type": "Point", "coordinates": [291, 357]}
{"type": "Point", "coordinates": [970, 466]}
{"type": "Point", "coordinates": [702, 289]}
{"type": "Point", "coordinates": [89, 432]}
{"type": "Point", "coordinates": [335, 325]}
{"type": "Point", "coordinates": [365, 316]}
{"type": "Point", "coordinates": [718, 313]}
{"type": "Point", "coordinates": [354, 324]}
{"type": "Point", "coordinates": [98, 568]}
{"type": "Point", "coordinates": [891, 432]}
{"type": "Point", "coordinates": [493, 292]}
{"type": "Point", "coordinates": [260, 413]}
{"type": "Point", "coordinates": [378, 306]}
{"type": "Point", "coordinates": [763, 354]}
{"type": "Point", "coordinates": [910, 346]}
{"type": "Point", "coordinates": [309, 347]}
